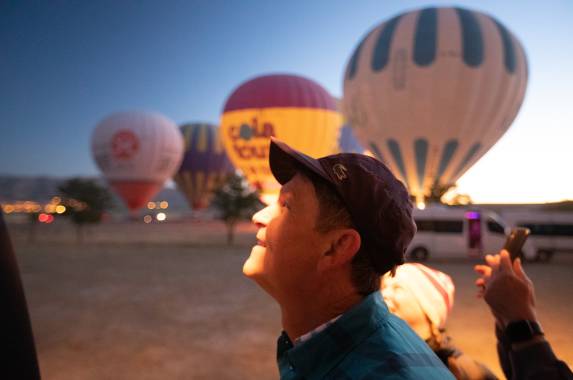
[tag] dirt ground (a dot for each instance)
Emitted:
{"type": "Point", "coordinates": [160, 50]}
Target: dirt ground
{"type": "Point", "coordinates": [168, 301]}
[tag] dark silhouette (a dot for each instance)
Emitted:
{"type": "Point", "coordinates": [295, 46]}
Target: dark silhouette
{"type": "Point", "coordinates": [19, 360]}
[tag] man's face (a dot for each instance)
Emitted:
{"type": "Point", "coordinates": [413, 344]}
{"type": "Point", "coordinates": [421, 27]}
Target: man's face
{"type": "Point", "coordinates": [284, 261]}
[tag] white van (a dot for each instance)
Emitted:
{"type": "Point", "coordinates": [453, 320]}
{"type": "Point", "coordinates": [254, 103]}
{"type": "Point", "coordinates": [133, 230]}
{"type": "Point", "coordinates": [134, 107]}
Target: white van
{"type": "Point", "coordinates": [551, 232]}
{"type": "Point", "coordinates": [454, 232]}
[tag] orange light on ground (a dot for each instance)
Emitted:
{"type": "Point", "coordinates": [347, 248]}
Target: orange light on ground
{"type": "Point", "coordinates": [60, 209]}
{"type": "Point", "coordinates": [50, 208]}
{"type": "Point", "coordinates": [151, 205]}
{"type": "Point", "coordinates": [163, 204]}
{"type": "Point", "coordinates": [147, 219]}
{"type": "Point", "coordinates": [161, 216]}
{"type": "Point", "coordinates": [8, 208]}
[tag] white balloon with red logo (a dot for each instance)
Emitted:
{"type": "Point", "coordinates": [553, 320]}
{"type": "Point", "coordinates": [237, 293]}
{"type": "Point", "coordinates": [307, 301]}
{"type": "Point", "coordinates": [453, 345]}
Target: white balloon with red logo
{"type": "Point", "coordinates": [137, 152]}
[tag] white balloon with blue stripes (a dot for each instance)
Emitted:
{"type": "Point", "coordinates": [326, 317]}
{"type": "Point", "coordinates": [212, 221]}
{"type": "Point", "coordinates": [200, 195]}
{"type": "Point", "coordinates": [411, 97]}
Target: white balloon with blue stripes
{"type": "Point", "coordinates": [430, 91]}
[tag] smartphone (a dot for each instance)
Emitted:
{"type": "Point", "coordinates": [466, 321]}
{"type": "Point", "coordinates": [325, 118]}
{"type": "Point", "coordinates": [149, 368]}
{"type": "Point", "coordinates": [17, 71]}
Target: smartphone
{"type": "Point", "coordinates": [515, 241]}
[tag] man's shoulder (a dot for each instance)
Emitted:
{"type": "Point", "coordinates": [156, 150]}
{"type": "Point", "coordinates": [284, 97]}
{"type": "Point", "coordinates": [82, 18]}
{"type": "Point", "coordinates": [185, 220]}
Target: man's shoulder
{"type": "Point", "coordinates": [392, 351]}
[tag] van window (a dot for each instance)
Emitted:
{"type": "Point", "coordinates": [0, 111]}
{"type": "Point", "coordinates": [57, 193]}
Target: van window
{"type": "Point", "coordinates": [494, 227]}
{"type": "Point", "coordinates": [549, 229]}
{"type": "Point", "coordinates": [425, 225]}
{"type": "Point", "coordinates": [448, 226]}
{"type": "Point", "coordinates": [565, 229]}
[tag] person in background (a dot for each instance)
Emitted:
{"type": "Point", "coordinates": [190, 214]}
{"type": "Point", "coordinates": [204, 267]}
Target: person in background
{"type": "Point", "coordinates": [523, 351]}
{"type": "Point", "coordinates": [424, 297]}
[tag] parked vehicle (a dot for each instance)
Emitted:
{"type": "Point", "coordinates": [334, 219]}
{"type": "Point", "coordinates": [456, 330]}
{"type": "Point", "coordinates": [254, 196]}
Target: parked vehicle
{"type": "Point", "coordinates": [551, 232]}
{"type": "Point", "coordinates": [452, 232]}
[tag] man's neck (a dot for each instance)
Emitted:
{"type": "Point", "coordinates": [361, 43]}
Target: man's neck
{"type": "Point", "coordinates": [302, 316]}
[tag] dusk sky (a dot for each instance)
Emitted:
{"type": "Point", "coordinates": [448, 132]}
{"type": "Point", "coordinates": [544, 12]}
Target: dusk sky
{"type": "Point", "coordinates": [65, 65]}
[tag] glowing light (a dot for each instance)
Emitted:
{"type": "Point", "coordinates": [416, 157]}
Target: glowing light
{"type": "Point", "coordinates": [50, 208]}
{"type": "Point", "coordinates": [472, 215]}
{"type": "Point", "coordinates": [163, 204]}
{"type": "Point", "coordinates": [151, 205]}
{"type": "Point", "coordinates": [56, 200]}
{"type": "Point", "coordinates": [8, 208]}
{"type": "Point", "coordinates": [60, 209]}
{"type": "Point", "coordinates": [50, 219]}
{"type": "Point", "coordinates": [147, 219]}
{"type": "Point", "coordinates": [421, 205]}
{"type": "Point", "coordinates": [42, 218]}
{"type": "Point", "coordinates": [161, 216]}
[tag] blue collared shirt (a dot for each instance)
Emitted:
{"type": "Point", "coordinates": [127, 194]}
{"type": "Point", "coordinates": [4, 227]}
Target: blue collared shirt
{"type": "Point", "coordinates": [366, 342]}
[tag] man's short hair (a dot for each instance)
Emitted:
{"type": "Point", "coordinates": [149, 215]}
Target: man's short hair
{"type": "Point", "coordinates": [333, 214]}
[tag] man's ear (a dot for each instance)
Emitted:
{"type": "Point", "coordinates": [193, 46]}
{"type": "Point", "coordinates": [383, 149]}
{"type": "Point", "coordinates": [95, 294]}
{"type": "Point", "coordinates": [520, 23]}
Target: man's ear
{"type": "Point", "coordinates": [344, 244]}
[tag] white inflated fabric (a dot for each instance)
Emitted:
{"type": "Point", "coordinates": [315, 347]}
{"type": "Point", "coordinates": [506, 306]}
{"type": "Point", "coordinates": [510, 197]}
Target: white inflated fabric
{"type": "Point", "coordinates": [430, 92]}
{"type": "Point", "coordinates": [139, 146]}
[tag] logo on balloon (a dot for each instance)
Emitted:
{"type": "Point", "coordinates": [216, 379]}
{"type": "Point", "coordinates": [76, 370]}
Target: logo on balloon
{"type": "Point", "coordinates": [124, 144]}
{"type": "Point", "coordinates": [251, 140]}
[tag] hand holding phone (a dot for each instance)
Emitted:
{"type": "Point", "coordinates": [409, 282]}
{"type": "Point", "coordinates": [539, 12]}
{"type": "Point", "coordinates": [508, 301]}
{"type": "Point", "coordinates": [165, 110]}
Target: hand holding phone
{"type": "Point", "coordinates": [515, 241]}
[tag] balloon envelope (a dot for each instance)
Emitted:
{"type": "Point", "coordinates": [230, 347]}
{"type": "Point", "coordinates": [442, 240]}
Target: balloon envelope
{"type": "Point", "coordinates": [205, 164]}
{"type": "Point", "coordinates": [137, 152]}
{"type": "Point", "coordinates": [430, 91]}
{"type": "Point", "coordinates": [294, 109]}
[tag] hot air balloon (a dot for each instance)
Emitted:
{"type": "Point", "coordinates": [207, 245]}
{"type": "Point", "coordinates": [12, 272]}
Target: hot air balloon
{"type": "Point", "coordinates": [430, 91]}
{"type": "Point", "coordinates": [292, 108]}
{"type": "Point", "coordinates": [137, 152]}
{"type": "Point", "coordinates": [205, 164]}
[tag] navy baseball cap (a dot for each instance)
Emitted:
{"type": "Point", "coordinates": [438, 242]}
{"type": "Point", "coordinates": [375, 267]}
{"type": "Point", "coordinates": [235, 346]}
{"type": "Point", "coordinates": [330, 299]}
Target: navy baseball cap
{"type": "Point", "coordinates": [376, 200]}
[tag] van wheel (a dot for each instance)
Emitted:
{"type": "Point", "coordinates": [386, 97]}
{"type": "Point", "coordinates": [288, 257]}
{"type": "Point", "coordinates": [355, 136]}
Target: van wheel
{"type": "Point", "coordinates": [419, 254]}
{"type": "Point", "coordinates": [544, 256]}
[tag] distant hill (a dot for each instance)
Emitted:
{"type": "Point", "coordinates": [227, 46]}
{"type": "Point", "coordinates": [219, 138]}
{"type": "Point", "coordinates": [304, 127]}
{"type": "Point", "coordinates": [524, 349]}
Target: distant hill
{"type": "Point", "coordinates": [42, 189]}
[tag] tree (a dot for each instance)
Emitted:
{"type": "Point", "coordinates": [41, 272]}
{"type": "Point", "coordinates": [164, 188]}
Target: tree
{"type": "Point", "coordinates": [235, 201]}
{"type": "Point", "coordinates": [85, 201]}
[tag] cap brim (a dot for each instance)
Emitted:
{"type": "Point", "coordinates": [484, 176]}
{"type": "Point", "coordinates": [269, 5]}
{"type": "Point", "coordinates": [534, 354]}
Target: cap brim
{"type": "Point", "coordinates": [285, 162]}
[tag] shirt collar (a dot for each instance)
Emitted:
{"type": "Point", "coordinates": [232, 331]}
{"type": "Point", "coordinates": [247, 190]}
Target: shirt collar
{"type": "Point", "coordinates": [310, 334]}
{"type": "Point", "coordinates": [315, 357]}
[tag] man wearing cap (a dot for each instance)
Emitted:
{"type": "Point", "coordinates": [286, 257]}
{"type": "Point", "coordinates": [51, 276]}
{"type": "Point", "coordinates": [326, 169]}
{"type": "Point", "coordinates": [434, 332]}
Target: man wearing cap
{"type": "Point", "coordinates": [424, 297]}
{"type": "Point", "coordinates": [340, 223]}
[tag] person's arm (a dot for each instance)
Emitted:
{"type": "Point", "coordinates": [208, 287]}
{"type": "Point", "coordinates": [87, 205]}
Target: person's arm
{"type": "Point", "coordinates": [524, 353]}
{"type": "Point", "coordinates": [503, 351]}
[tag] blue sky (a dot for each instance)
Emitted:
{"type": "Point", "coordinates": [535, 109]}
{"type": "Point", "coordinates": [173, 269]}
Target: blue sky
{"type": "Point", "coordinates": [67, 64]}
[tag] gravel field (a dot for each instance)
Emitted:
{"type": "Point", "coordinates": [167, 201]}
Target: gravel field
{"type": "Point", "coordinates": [168, 301]}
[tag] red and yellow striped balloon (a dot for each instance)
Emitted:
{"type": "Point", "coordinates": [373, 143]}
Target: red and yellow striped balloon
{"type": "Point", "coordinates": [294, 109]}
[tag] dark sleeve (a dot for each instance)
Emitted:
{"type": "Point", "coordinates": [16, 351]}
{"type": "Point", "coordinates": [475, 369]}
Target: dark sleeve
{"type": "Point", "coordinates": [503, 352]}
{"type": "Point", "coordinates": [536, 362]}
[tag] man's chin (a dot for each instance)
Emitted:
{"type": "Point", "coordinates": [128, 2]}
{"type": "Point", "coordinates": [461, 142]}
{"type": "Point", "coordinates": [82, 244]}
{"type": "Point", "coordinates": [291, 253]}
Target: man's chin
{"type": "Point", "coordinates": [253, 266]}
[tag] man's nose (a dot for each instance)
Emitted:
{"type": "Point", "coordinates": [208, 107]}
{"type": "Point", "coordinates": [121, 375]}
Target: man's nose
{"type": "Point", "coordinates": [263, 217]}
